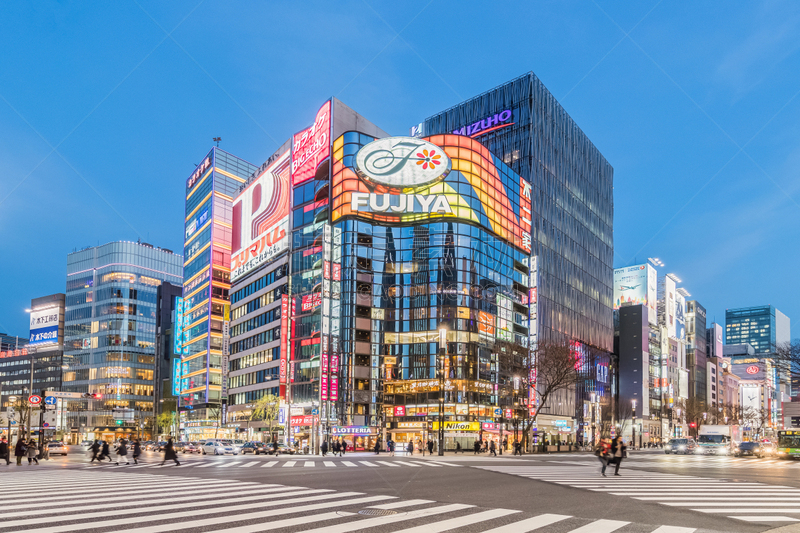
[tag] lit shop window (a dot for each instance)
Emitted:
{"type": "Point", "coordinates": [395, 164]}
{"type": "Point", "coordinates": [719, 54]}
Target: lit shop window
{"type": "Point", "coordinates": [118, 276]}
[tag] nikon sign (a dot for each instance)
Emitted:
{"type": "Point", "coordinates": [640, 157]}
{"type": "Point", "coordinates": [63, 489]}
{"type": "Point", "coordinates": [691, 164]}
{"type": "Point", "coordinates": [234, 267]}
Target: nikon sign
{"type": "Point", "coordinates": [459, 426]}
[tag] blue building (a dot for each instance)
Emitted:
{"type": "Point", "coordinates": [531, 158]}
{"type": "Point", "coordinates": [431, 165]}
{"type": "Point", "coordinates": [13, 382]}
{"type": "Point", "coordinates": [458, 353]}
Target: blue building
{"type": "Point", "coordinates": [762, 327]}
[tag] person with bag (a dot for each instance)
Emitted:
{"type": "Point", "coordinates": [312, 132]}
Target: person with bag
{"type": "Point", "coordinates": [137, 451]}
{"type": "Point", "coordinates": [122, 452]}
{"type": "Point", "coordinates": [20, 450]}
{"type": "Point", "coordinates": [32, 451]}
{"type": "Point", "coordinates": [324, 448]}
{"type": "Point", "coordinates": [618, 452]}
{"type": "Point", "coordinates": [95, 449]}
{"type": "Point", "coordinates": [602, 452]}
{"type": "Point", "coordinates": [169, 453]}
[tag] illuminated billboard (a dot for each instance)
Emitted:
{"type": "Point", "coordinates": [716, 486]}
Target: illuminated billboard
{"type": "Point", "coordinates": [44, 327]}
{"type": "Point", "coordinates": [637, 285]}
{"type": "Point", "coordinates": [405, 180]}
{"type": "Point", "coordinates": [680, 317]}
{"type": "Point", "coordinates": [311, 146]}
{"type": "Point", "coordinates": [261, 219]}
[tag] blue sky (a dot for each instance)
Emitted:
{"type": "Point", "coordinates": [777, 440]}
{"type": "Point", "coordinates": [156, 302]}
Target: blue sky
{"type": "Point", "coordinates": [105, 108]}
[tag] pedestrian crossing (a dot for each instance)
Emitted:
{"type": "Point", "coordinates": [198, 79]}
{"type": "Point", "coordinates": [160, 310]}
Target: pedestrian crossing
{"type": "Point", "coordinates": [671, 461]}
{"type": "Point", "coordinates": [745, 501]}
{"type": "Point", "coordinates": [116, 500]}
{"type": "Point", "coordinates": [293, 463]}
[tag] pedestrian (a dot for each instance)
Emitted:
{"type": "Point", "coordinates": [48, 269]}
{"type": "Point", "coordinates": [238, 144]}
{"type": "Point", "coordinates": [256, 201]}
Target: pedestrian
{"type": "Point", "coordinates": [410, 447]}
{"type": "Point", "coordinates": [45, 450]}
{"type": "Point", "coordinates": [505, 445]}
{"type": "Point", "coordinates": [169, 453]}
{"type": "Point", "coordinates": [137, 451]}
{"type": "Point", "coordinates": [275, 448]}
{"type": "Point", "coordinates": [377, 446]}
{"type": "Point", "coordinates": [122, 452]}
{"type": "Point", "coordinates": [390, 445]}
{"type": "Point", "coordinates": [430, 446]}
{"type": "Point", "coordinates": [324, 448]}
{"type": "Point", "coordinates": [618, 451]}
{"type": "Point", "coordinates": [517, 448]}
{"type": "Point", "coordinates": [336, 447]}
{"type": "Point", "coordinates": [344, 446]}
{"type": "Point", "coordinates": [602, 452]}
{"type": "Point", "coordinates": [458, 447]}
{"type": "Point", "coordinates": [19, 450]}
{"type": "Point", "coordinates": [4, 450]}
{"type": "Point", "coordinates": [95, 449]}
{"type": "Point", "coordinates": [104, 452]}
{"type": "Point", "coordinates": [32, 451]}
{"type": "Point", "coordinates": [476, 447]}
{"type": "Point", "coordinates": [492, 448]}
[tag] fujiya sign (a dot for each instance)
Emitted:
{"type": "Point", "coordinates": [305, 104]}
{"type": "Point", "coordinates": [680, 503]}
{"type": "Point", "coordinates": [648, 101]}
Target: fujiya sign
{"type": "Point", "coordinates": [401, 163]}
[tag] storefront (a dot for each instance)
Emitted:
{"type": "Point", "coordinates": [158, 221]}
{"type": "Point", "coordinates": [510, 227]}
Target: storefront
{"type": "Point", "coordinates": [404, 432]}
{"type": "Point", "coordinates": [112, 433]}
{"type": "Point", "coordinates": [554, 430]}
{"type": "Point", "coordinates": [358, 438]}
{"type": "Point", "coordinates": [463, 433]}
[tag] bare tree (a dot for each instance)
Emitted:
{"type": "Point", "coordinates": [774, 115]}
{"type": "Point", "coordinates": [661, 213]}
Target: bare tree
{"type": "Point", "coordinates": [555, 364]}
{"type": "Point", "coordinates": [757, 418]}
{"type": "Point", "coordinates": [267, 409]}
{"type": "Point", "coordinates": [692, 411]}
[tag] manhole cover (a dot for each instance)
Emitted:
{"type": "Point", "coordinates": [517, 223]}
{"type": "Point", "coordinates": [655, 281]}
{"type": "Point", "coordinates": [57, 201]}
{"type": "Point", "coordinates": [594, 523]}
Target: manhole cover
{"type": "Point", "coordinates": [377, 512]}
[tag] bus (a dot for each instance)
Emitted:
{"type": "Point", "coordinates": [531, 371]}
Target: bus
{"type": "Point", "coordinates": [789, 443]}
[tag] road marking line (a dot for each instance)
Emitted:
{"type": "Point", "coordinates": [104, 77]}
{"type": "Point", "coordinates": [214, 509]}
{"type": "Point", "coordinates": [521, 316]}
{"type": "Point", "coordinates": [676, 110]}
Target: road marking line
{"type": "Point", "coordinates": [226, 465]}
{"type": "Point", "coordinates": [288, 522]}
{"type": "Point", "coordinates": [309, 464]}
{"type": "Point", "coordinates": [329, 463]}
{"type": "Point", "coordinates": [367, 463]}
{"type": "Point", "coordinates": [427, 464]}
{"type": "Point", "coordinates": [523, 526]}
{"type": "Point", "coordinates": [445, 464]}
{"type": "Point", "coordinates": [675, 529]}
{"type": "Point", "coordinates": [406, 463]}
{"type": "Point", "coordinates": [601, 526]}
{"type": "Point", "coordinates": [388, 463]}
{"type": "Point", "coordinates": [379, 522]}
{"type": "Point", "coordinates": [767, 518]}
{"type": "Point", "coordinates": [249, 464]}
{"type": "Point", "coordinates": [396, 505]}
{"type": "Point", "coordinates": [289, 464]}
{"type": "Point", "coordinates": [268, 464]}
{"type": "Point", "coordinates": [348, 463]}
{"type": "Point", "coordinates": [455, 523]}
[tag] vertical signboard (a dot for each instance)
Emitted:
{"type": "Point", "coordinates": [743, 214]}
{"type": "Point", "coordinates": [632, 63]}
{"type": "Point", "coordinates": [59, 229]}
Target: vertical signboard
{"type": "Point", "coordinates": [284, 344]}
{"type": "Point", "coordinates": [669, 301]}
{"type": "Point", "coordinates": [652, 295]}
{"type": "Point", "coordinates": [226, 347]}
{"type": "Point", "coordinates": [311, 146]}
{"type": "Point", "coordinates": [680, 317]}
{"type": "Point", "coordinates": [533, 331]}
{"type": "Point", "coordinates": [44, 328]}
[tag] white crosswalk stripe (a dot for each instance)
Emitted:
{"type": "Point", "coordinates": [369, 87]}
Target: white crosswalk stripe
{"type": "Point", "coordinates": [250, 507]}
{"type": "Point", "coordinates": [752, 502]}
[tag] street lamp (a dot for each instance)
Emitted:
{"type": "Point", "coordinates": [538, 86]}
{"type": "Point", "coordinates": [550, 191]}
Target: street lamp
{"type": "Point", "coordinates": [440, 359]}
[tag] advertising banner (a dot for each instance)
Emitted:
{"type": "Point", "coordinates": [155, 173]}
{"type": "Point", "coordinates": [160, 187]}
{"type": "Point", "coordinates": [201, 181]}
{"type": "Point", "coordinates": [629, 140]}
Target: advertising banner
{"type": "Point", "coordinates": [406, 179]}
{"type": "Point", "coordinates": [284, 344]}
{"type": "Point", "coordinates": [680, 317]}
{"type": "Point", "coordinates": [260, 219]}
{"type": "Point", "coordinates": [176, 376]}
{"type": "Point", "coordinates": [669, 296]}
{"type": "Point", "coordinates": [44, 327]}
{"type": "Point", "coordinates": [637, 285]}
{"type": "Point", "coordinates": [311, 146]}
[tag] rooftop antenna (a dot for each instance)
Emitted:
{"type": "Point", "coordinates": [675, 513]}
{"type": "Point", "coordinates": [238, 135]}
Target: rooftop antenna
{"type": "Point", "coordinates": [217, 140]}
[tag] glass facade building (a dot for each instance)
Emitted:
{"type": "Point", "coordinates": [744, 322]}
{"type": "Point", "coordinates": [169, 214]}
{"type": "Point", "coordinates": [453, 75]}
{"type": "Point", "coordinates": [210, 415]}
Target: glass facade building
{"type": "Point", "coordinates": [762, 327]}
{"type": "Point", "coordinates": [110, 334]}
{"type": "Point", "coordinates": [206, 272]}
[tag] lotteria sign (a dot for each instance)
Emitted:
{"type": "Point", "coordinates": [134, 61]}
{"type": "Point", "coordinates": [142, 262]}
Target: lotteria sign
{"type": "Point", "coordinates": [353, 430]}
{"type": "Point", "coordinates": [410, 180]}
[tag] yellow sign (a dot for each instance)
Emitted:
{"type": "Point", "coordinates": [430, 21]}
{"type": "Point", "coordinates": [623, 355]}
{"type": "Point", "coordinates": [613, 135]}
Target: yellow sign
{"type": "Point", "coordinates": [226, 312]}
{"type": "Point", "coordinates": [459, 426]}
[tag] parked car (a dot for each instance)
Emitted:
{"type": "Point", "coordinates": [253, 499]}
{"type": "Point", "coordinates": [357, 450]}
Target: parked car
{"type": "Point", "coordinates": [287, 450]}
{"type": "Point", "coordinates": [57, 448]}
{"type": "Point", "coordinates": [684, 446]}
{"type": "Point", "coordinates": [220, 447]}
{"type": "Point", "coordinates": [192, 447]}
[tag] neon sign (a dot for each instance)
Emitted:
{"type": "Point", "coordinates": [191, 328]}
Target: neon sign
{"type": "Point", "coordinates": [311, 146]}
{"type": "Point", "coordinates": [753, 369]}
{"type": "Point", "coordinates": [198, 172]}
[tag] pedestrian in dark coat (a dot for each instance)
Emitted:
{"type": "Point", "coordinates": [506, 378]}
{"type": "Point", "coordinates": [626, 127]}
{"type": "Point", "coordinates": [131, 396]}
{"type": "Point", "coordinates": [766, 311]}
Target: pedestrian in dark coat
{"type": "Point", "coordinates": [476, 447]}
{"type": "Point", "coordinates": [32, 451]}
{"type": "Point", "coordinates": [336, 447]}
{"type": "Point", "coordinates": [410, 448]}
{"type": "Point", "coordinates": [324, 448]}
{"type": "Point", "coordinates": [618, 452]}
{"type": "Point", "coordinates": [122, 452]}
{"type": "Point", "coordinates": [137, 451]}
{"type": "Point", "coordinates": [104, 452]}
{"type": "Point", "coordinates": [344, 446]}
{"type": "Point", "coordinates": [4, 450]}
{"type": "Point", "coordinates": [95, 449]}
{"type": "Point", "coordinates": [169, 453]}
{"type": "Point", "coordinates": [493, 448]}
{"type": "Point", "coordinates": [430, 447]}
{"type": "Point", "coordinates": [19, 451]}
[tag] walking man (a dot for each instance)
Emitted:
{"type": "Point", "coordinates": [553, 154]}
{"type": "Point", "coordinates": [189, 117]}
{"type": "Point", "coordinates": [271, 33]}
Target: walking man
{"type": "Point", "coordinates": [4, 450]}
{"type": "Point", "coordinates": [324, 448]}
{"type": "Point", "coordinates": [122, 452]}
{"type": "Point", "coordinates": [169, 453]}
{"type": "Point", "coordinates": [619, 451]}
{"type": "Point", "coordinates": [32, 451]}
{"type": "Point", "coordinates": [430, 446]}
{"type": "Point", "coordinates": [19, 450]}
{"type": "Point", "coordinates": [137, 451]}
{"type": "Point", "coordinates": [104, 452]}
{"type": "Point", "coordinates": [410, 447]}
{"type": "Point", "coordinates": [602, 452]}
{"type": "Point", "coordinates": [493, 448]}
{"type": "Point", "coordinates": [95, 449]}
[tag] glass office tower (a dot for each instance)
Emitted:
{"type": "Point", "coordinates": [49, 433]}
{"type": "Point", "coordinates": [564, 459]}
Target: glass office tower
{"type": "Point", "coordinates": [110, 335]}
{"type": "Point", "coordinates": [762, 327]}
{"type": "Point", "coordinates": [207, 251]}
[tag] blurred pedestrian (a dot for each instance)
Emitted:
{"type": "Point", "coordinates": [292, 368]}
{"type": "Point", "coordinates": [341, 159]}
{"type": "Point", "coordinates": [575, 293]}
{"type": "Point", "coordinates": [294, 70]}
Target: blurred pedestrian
{"type": "Point", "coordinates": [336, 447]}
{"type": "Point", "coordinates": [493, 448]}
{"type": "Point", "coordinates": [505, 445]}
{"type": "Point", "coordinates": [104, 452]}
{"type": "Point", "coordinates": [122, 452]}
{"type": "Point", "coordinates": [458, 447]}
{"type": "Point", "coordinates": [95, 449]}
{"type": "Point", "coordinates": [618, 451]}
{"type": "Point", "coordinates": [4, 450]}
{"type": "Point", "coordinates": [169, 453]}
{"type": "Point", "coordinates": [32, 452]}
{"type": "Point", "coordinates": [410, 447]}
{"type": "Point", "coordinates": [19, 450]}
{"type": "Point", "coordinates": [324, 448]}
{"type": "Point", "coordinates": [602, 451]}
{"type": "Point", "coordinates": [377, 446]}
{"type": "Point", "coordinates": [137, 451]}
{"type": "Point", "coordinates": [390, 445]}
{"type": "Point", "coordinates": [344, 446]}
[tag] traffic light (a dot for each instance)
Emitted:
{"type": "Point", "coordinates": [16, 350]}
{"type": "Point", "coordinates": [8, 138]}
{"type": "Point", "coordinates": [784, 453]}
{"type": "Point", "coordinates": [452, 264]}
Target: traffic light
{"type": "Point", "coordinates": [692, 425]}
{"type": "Point", "coordinates": [119, 422]}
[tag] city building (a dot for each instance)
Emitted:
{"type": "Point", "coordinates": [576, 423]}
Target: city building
{"type": "Point", "coordinates": [110, 336]}
{"type": "Point", "coordinates": [210, 190]}
{"type": "Point", "coordinates": [168, 299]}
{"type": "Point", "coordinates": [41, 352]}
{"type": "Point", "coordinates": [762, 327]}
{"type": "Point", "coordinates": [697, 351]}
{"type": "Point", "coordinates": [571, 239]}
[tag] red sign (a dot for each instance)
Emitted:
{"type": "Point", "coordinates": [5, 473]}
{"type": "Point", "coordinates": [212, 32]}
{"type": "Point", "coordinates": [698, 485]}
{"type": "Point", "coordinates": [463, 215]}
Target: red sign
{"type": "Point", "coordinates": [284, 337]}
{"type": "Point", "coordinates": [310, 301]}
{"type": "Point", "coordinates": [311, 146]}
{"type": "Point", "coordinates": [509, 413]}
{"type": "Point", "coordinates": [35, 400]}
{"type": "Point", "coordinates": [399, 410]}
{"type": "Point", "coordinates": [304, 420]}
{"type": "Point", "coordinates": [14, 353]}
{"type": "Point", "coordinates": [337, 272]}
{"type": "Point", "coordinates": [753, 369]}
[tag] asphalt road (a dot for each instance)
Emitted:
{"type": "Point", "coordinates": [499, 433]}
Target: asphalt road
{"type": "Point", "coordinates": [655, 492]}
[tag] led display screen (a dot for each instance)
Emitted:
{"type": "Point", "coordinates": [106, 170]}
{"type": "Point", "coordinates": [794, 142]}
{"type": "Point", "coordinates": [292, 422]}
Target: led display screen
{"type": "Point", "coordinates": [311, 146]}
{"type": "Point", "coordinates": [404, 180]}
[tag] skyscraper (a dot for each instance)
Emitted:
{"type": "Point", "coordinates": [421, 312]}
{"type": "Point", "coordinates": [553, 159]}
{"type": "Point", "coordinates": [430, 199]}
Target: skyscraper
{"type": "Point", "coordinates": [110, 335]}
{"type": "Point", "coordinates": [762, 327]}
{"type": "Point", "coordinates": [210, 190]}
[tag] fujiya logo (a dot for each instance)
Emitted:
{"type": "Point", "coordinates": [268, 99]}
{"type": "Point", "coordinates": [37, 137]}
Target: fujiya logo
{"type": "Point", "coordinates": [402, 162]}
{"type": "Point", "coordinates": [406, 164]}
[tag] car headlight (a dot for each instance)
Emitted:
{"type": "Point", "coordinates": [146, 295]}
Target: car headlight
{"type": "Point", "coordinates": [781, 453]}
{"type": "Point", "coordinates": [681, 447]}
